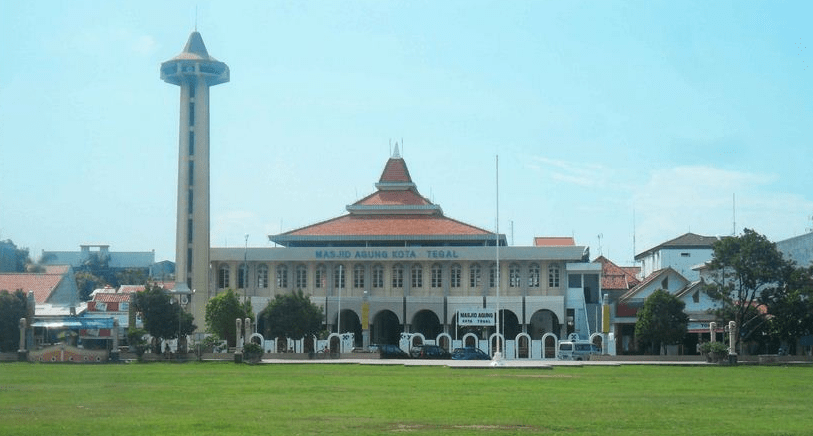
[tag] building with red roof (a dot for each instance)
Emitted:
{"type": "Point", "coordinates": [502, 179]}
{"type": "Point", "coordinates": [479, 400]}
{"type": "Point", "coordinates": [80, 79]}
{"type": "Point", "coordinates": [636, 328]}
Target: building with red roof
{"type": "Point", "coordinates": [394, 264]}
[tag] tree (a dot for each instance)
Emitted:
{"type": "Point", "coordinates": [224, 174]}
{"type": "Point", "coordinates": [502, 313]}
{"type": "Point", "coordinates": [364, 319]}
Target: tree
{"type": "Point", "coordinates": [291, 316]}
{"type": "Point", "coordinates": [13, 258]}
{"type": "Point", "coordinates": [791, 306]}
{"type": "Point", "coordinates": [13, 306]}
{"type": "Point", "coordinates": [221, 313]}
{"type": "Point", "coordinates": [661, 321]}
{"type": "Point", "coordinates": [745, 268]}
{"type": "Point", "coordinates": [163, 319]}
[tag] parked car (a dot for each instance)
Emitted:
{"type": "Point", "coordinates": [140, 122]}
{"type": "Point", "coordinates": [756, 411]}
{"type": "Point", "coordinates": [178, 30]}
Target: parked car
{"type": "Point", "coordinates": [390, 351]}
{"type": "Point", "coordinates": [581, 350]}
{"type": "Point", "coordinates": [469, 353]}
{"type": "Point", "coordinates": [429, 352]}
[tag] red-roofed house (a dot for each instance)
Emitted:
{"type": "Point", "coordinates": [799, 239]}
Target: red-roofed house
{"type": "Point", "coordinates": [54, 290]}
{"type": "Point", "coordinates": [395, 263]}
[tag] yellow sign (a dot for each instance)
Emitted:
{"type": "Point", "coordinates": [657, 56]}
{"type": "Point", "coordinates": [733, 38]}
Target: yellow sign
{"type": "Point", "coordinates": [605, 318]}
{"type": "Point", "coordinates": [365, 316]}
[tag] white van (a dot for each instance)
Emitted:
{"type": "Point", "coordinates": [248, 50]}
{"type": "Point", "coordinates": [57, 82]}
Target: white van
{"type": "Point", "coordinates": [581, 350]}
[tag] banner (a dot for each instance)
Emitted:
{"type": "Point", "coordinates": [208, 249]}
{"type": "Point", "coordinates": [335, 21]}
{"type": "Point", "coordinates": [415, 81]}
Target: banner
{"type": "Point", "coordinates": [481, 317]}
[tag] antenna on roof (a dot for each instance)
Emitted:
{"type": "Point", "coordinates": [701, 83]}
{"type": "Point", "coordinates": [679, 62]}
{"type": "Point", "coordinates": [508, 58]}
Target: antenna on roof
{"type": "Point", "coordinates": [633, 237]}
{"type": "Point", "coordinates": [196, 18]}
{"type": "Point", "coordinates": [402, 143]}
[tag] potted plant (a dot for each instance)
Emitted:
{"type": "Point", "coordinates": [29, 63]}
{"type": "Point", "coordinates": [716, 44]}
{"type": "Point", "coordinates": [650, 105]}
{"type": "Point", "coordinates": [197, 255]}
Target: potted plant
{"type": "Point", "coordinates": [715, 351]}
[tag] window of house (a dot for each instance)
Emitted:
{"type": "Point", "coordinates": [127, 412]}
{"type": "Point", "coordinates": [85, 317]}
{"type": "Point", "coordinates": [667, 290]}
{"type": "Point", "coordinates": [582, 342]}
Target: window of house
{"type": "Point", "coordinates": [191, 143]}
{"type": "Point", "coordinates": [685, 254]}
{"type": "Point", "coordinates": [242, 275]}
{"type": "Point", "coordinates": [378, 276]}
{"type": "Point", "coordinates": [533, 275]}
{"type": "Point", "coordinates": [282, 276]}
{"type": "Point", "coordinates": [320, 276]}
{"type": "Point", "coordinates": [417, 276]}
{"type": "Point", "coordinates": [301, 277]}
{"type": "Point", "coordinates": [696, 297]}
{"type": "Point", "coordinates": [553, 276]}
{"type": "Point", "coordinates": [338, 276]}
{"type": "Point", "coordinates": [223, 277]}
{"type": "Point", "coordinates": [474, 275]}
{"type": "Point", "coordinates": [456, 273]}
{"type": "Point", "coordinates": [358, 276]}
{"type": "Point", "coordinates": [492, 276]}
{"type": "Point", "coordinates": [437, 276]}
{"type": "Point", "coordinates": [513, 276]}
{"type": "Point", "coordinates": [262, 276]}
{"type": "Point", "coordinates": [397, 276]}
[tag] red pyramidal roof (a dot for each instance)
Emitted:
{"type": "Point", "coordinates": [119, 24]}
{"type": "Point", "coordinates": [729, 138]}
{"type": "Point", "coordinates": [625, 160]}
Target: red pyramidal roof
{"type": "Point", "coordinates": [394, 213]}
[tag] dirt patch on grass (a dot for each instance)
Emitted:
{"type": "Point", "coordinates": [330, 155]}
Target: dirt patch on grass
{"type": "Point", "coordinates": [405, 428]}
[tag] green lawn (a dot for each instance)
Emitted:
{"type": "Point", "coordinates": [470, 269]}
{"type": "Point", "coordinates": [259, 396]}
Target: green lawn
{"type": "Point", "coordinates": [226, 398]}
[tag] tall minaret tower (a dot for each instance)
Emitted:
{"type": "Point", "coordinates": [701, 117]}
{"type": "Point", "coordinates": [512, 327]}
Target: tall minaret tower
{"type": "Point", "coordinates": [194, 71]}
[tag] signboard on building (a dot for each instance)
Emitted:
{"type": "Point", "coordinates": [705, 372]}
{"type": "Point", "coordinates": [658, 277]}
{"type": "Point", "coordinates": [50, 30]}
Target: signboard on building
{"type": "Point", "coordinates": [475, 317]}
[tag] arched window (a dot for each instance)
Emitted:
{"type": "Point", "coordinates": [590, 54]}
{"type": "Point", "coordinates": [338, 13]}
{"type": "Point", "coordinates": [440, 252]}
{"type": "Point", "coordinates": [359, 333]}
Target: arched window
{"type": "Point", "coordinates": [338, 276]}
{"type": "Point", "coordinates": [378, 276]}
{"type": "Point", "coordinates": [533, 275]}
{"type": "Point", "coordinates": [513, 276]}
{"type": "Point", "coordinates": [320, 276]}
{"type": "Point", "coordinates": [397, 276]}
{"type": "Point", "coordinates": [492, 276]}
{"type": "Point", "coordinates": [456, 275]}
{"type": "Point", "coordinates": [223, 277]}
{"type": "Point", "coordinates": [301, 277]}
{"type": "Point", "coordinates": [358, 275]}
{"type": "Point", "coordinates": [417, 276]}
{"type": "Point", "coordinates": [437, 276]}
{"type": "Point", "coordinates": [474, 275]}
{"type": "Point", "coordinates": [262, 276]}
{"type": "Point", "coordinates": [282, 276]}
{"type": "Point", "coordinates": [242, 277]}
{"type": "Point", "coordinates": [553, 276]}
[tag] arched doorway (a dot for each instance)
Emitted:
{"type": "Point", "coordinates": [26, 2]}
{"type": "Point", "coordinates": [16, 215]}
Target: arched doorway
{"type": "Point", "coordinates": [470, 340]}
{"type": "Point", "coordinates": [444, 341]}
{"type": "Point", "coordinates": [597, 339]}
{"type": "Point", "coordinates": [351, 324]}
{"type": "Point", "coordinates": [426, 323]}
{"type": "Point", "coordinates": [385, 329]}
{"type": "Point", "coordinates": [542, 322]}
{"type": "Point", "coordinates": [523, 346]}
{"type": "Point", "coordinates": [549, 341]}
{"type": "Point", "coordinates": [509, 324]}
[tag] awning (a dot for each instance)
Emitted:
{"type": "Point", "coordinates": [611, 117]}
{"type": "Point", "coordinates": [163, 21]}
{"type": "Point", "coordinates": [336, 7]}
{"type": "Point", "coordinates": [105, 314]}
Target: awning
{"type": "Point", "coordinates": [76, 323]}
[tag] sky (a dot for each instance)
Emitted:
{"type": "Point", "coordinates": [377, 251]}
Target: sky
{"type": "Point", "coordinates": [622, 124]}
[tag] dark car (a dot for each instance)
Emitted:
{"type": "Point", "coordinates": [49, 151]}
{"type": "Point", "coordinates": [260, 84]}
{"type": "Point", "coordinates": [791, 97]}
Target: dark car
{"type": "Point", "coordinates": [390, 351]}
{"type": "Point", "coordinates": [469, 353]}
{"type": "Point", "coordinates": [429, 352]}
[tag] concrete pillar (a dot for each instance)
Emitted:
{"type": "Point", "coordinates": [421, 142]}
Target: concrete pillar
{"type": "Point", "coordinates": [114, 353]}
{"type": "Point", "coordinates": [247, 333]}
{"type": "Point", "coordinates": [22, 353]}
{"type": "Point", "coordinates": [238, 340]}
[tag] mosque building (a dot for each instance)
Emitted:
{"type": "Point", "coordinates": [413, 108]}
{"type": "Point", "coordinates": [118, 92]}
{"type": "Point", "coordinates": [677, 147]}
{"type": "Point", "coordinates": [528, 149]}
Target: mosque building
{"type": "Point", "coordinates": [393, 266]}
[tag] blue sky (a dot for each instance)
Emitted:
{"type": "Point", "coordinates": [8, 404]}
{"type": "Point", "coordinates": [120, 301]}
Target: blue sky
{"type": "Point", "coordinates": [624, 124]}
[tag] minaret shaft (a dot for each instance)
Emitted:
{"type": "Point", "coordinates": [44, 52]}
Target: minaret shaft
{"type": "Point", "coordinates": [194, 71]}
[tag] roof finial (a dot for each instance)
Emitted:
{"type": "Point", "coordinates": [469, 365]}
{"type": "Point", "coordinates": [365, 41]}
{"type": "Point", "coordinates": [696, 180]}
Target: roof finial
{"type": "Point", "coordinates": [196, 18]}
{"type": "Point", "coordinates": [396, 154]}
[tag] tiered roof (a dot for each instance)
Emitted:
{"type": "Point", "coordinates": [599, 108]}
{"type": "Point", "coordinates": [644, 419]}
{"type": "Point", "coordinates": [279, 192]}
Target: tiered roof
{"type": "Point", "coordinates": [394, 214]}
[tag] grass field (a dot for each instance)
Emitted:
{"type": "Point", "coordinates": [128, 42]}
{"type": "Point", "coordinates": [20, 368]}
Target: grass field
{"type": "Point", "coordinates": [226, 398]}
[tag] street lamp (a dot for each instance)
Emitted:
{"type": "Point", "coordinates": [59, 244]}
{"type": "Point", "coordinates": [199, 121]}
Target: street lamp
{"type": "Point", "coordinates": [245, 271]}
